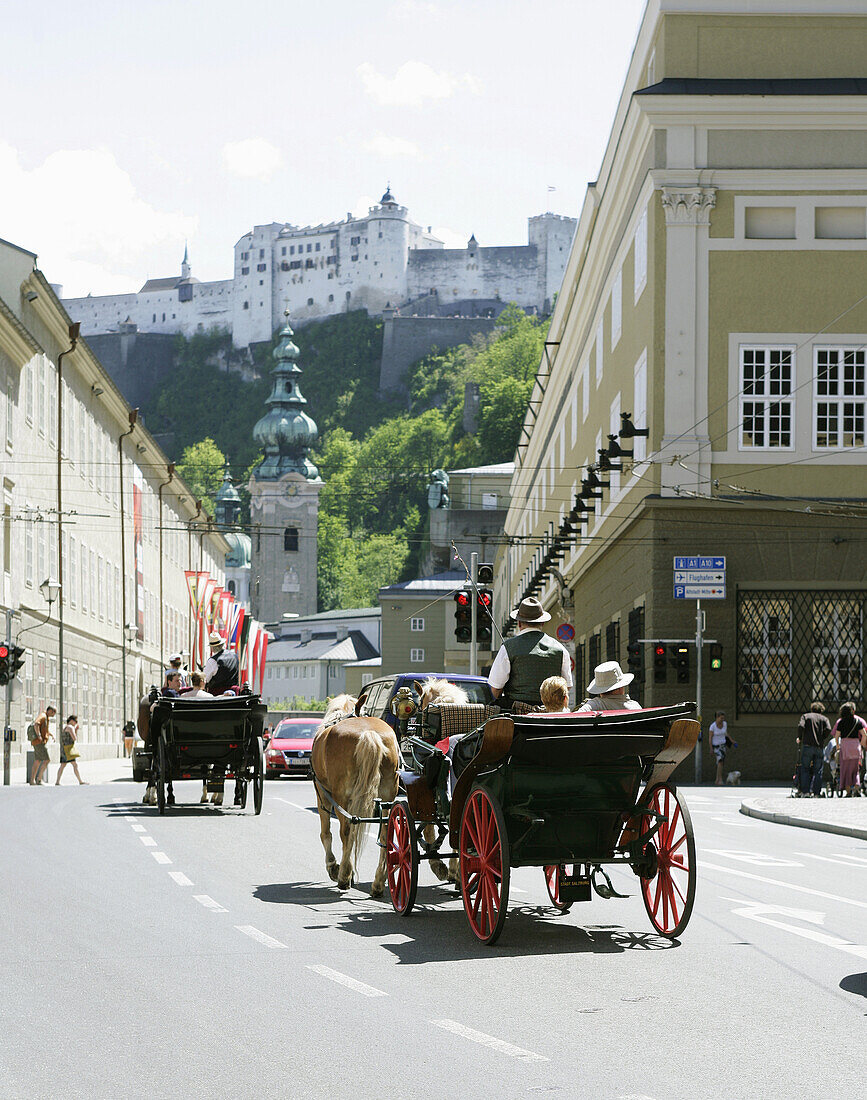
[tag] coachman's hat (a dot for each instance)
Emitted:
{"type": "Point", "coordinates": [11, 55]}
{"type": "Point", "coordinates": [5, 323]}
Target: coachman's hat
{"type": "Point", "coordinates": [530, 611]}
{"type": "Point", "coordinates": [216, 639]}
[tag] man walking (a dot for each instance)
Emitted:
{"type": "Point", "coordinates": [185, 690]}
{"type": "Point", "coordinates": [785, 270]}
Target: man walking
{"type": "Point", "coordinates": [40, 745]}
{"type": "Point", "coordinates": [528, 658]}
{"type": "Point", "coordinates": [814, 729]}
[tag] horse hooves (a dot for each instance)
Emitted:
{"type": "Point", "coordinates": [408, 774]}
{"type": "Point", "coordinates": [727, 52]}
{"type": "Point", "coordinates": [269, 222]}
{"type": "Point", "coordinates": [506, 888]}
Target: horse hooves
{"type": "Point", "coordinates": [376, 891]}
{"type": "Point", "coordinates": [341, 885]}
{"type": "Point", "coordinates": [332, 872]}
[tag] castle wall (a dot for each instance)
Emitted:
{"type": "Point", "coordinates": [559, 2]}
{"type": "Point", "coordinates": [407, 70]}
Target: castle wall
{"type": "Point", "coordinates": [509, 273]}
{"type": "Point", "coordinates": [139, 363]}
{"type": "Point", "coordinates": [156, 311]}
{"type": "Point", "coordinates": [405, 340]}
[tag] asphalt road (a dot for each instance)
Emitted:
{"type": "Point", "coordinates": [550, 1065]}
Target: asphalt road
{"type": "Point", "coordinates": [206, 952]}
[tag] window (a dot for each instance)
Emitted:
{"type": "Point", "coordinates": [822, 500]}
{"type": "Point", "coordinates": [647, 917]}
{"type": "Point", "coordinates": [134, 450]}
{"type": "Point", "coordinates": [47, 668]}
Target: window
{"type": "Point", "coordinates": [261, 253]}
{"type": "Point", "coordinates": [766, 403]}
{"type": "Point", "coordinates": [840, 223]}
{"type": "Point", "coordinates": [245, 271]}
{"type": "Point", "coordinates": [769, 222]}
{"type": "Point", "coordinates": [616, 309]}
{"type": "Point", "coordinates": [599, 353]}
{"type": "Point", "coordinates": [290, 539]}
{"type": "Point", "coordinates": [246, 305]}
{"type": "Point", "coordinates": [7, 537]}
{"type": "Point", "coordinates": [317, 246]}
{"type": "Point", "coordinates": [594, 650]}
{"type": "Point", "coordinates": [585, 393]}
{"type": "Point", "coordinates": [639, 407]}
{"type": "Point", "coordinates": [416, 656]}
{"type": "Point", "coordinates": [612, 641]}
{"type": "Point", "coordinates": [309, 247]}
{"type": "Point", "coordinates": [261, 267]}
{"type": "Point", "coordinates": [640, 254]}
{"type": "Point", "coordinates": [839, 398]}
{"type": "Point", "coordinates": [283, 250]}
{"type": "Point", "coordinates": [309, 301]}
{"type": "Point", "coordinates": [366, 678]}
{"type": "Point", "coordinates": [416, 624]}
{"type": "Point", "coordinates": [838, 630]}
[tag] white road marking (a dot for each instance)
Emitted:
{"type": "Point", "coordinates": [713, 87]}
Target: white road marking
{"type": "Point", "coordinates": [735, 824]}
{"type": "Point", "coordinates": [761, 913]}
{"type": "Point", "coordinates": [845, 861]}
{"type": "Point", "coordinates": [350, 983]}
{"type": "Point", "coordinates": [260, 937]}
{"type": "Point", "coordinates": [148, 841]}
{"type": "Point", "coordinates": [130, 817]}
{"type": "Point", "coordinates": [180, 878]}
{"type": "Point", "coordinates": [757, 859]}
{"type": "Point", "coordinates": [778, 882]}
{"type": "Point", "coordinates": [137, 826]}
{"type": "Point", "coordinates": [295, 804]}
{"type": "Point", "coordinates": [209, 903]}
{"type": "Point", "coordinates": [517, 890]}
{"type": "Point", "coordinates": [161, 857]}
{"type": "Point", "coordinates": [489, 1041]}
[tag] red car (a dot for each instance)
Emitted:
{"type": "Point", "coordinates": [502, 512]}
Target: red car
{"type": "Point", "coordinates": [288, 751]}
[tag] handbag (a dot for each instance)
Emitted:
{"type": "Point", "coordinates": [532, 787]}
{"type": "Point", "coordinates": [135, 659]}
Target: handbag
{"type": "Point", "coordinates": [71, 752]}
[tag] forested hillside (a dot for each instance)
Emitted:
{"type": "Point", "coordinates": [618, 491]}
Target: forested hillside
{"type": "Point", "coordinates": [375, 459]}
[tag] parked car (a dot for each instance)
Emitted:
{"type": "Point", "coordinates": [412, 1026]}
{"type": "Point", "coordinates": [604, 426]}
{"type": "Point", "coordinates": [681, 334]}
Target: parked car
{"type": "Point", "coordinates": [288, 751]}
{"type": "Point", "coordinates": [377, 695]}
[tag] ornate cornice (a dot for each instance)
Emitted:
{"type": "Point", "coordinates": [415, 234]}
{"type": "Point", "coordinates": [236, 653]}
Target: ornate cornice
{"type": "Point", "coordinates": [688, 205]}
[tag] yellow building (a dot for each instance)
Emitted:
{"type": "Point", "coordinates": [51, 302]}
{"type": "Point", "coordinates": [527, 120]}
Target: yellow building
{"type": "Point", "coordinates": [717, 294]}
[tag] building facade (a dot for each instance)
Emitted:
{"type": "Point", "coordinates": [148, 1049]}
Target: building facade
{"type": "Point", "coordinates": [712, 298]}
{"type": "Point", "coordinates": [376, 262]}
{"type": "Point", "coordinates": [91, 502]}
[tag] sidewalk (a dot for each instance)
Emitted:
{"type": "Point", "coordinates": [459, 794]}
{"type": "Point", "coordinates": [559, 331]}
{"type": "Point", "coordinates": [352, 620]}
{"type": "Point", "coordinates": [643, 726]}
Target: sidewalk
{"type": "Point", "coordinates": [92, 771]}
{"type": "Point", "coordinates": [846, 816]}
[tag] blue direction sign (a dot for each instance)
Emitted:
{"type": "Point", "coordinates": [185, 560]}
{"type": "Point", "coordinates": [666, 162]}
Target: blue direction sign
{"type": "Point", "coordinates": [700, 563]}
{"type": "Point", "coordinates": [700, 578]}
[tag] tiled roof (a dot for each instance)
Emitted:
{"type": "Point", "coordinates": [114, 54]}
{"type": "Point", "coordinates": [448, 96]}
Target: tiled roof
{"type": "Point", "coordinates": [505, 468]}
{"type": "Point", "coordinates": [440, 582]}
{"type": "Point", "coordinates": [161, 284]}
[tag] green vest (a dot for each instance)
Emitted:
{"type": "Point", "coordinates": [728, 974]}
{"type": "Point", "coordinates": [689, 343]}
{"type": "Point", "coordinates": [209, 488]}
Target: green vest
{"type": "Point", "coordinates": [533, 657]}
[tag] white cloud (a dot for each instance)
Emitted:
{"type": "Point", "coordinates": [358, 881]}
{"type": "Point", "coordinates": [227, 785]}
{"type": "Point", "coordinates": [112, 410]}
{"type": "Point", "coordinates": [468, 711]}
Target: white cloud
{"type": "Point", "coordinates": [414, 9]}
{"type": "Point", "coordinates": [393, 148]}
{"type": "Point", "coordinates": [413, 82]}
{"type": "Point", "coordinates": [80, 212]}
{"type": "Point", "coordinates": [449, 237]}
{"type": "Point", "coordinates": [251, 159]}
{"type": "Point", "coordinates": [362, 204]}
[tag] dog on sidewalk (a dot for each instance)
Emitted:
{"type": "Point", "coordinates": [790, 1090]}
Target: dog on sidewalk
{"type": "Point", "coordinates": [733, 779]}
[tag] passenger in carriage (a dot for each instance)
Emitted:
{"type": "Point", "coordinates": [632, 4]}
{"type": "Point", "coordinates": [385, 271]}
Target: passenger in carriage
{"type": "Point", "coordinates": [555, 695]}
{"type": "Point", "coordinates": [197, 680]}
{"type": "Point", "coordinates": [607, 690]}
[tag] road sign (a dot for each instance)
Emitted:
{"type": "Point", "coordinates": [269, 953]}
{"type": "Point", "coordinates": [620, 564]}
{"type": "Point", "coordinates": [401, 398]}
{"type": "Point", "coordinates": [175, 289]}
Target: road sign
{"type": "Point", "coordinates": [699, 576]}
{"type": "Point", "coordinates": [699, 591]}
{"type": "Point", "coordinates": [565, 632]}
{"type": "Point", "coordinates": [700, 563]}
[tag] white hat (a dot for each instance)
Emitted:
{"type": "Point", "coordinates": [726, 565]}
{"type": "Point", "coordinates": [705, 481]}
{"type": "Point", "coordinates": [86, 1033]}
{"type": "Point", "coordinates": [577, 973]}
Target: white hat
{"type": "Point", "coordinates": [216, 639]}
{"type": "Point", "coordinates": [608, 677]}
{"type": "Point", "coordinates": [176, 657]}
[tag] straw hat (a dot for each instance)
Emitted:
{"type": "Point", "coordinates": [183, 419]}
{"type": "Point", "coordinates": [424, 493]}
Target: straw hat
{"type": "Point", "coordinates": [530, 611]}
{"type": "Point", "coordinates": [608, 677]}
{"type": "Point", "coordinates": [215, 639]}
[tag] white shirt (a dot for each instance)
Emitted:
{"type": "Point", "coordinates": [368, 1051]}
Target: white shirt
{"type": "Point", "coordinates": [718, 733]}
{"type": "Point", "coordinates": [197, 693]}
{"type": "Point", "coordinates": [598, 703]}
{"type": "Point", "coordinates": [502, 667]}
{"type": "Point", "coordinates": [210, 669]}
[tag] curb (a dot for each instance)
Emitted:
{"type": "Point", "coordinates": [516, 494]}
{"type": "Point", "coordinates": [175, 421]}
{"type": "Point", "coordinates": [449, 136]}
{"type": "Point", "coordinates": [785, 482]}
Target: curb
{"type": "Point", "coordinates": [803, 823]}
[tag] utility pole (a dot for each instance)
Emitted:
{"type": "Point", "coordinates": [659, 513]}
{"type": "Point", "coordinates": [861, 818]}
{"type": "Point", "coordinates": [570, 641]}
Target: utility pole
{"type": "Point", "coordinates": [474, 615]}
{"type": "Point", "coordinates": [699, 638]}
{"type": "Point", "coordinates": [7, 746]}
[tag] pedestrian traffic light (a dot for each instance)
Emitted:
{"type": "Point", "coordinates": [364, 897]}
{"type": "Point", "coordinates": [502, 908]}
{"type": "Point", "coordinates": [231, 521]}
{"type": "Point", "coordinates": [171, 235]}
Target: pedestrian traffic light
{"type": "Point", "coordinates": [463, 616]}
{"type": "Point", "coordinates": [16, 659]}
{"type": "Point", "coordinates": [483, 617]}
{"type": "Point", "coordinates": [485, 573]}
{"type": "Point", "coordinates": [635, 658]}
{"type": "Point", "coordinates": [716, 657]}
{"type": "Point", "coordinates": [681, 663]}
{"type": "Point", "coordinates": [4, 665]}
{"type": "Point", "coordinates": [660, 668]}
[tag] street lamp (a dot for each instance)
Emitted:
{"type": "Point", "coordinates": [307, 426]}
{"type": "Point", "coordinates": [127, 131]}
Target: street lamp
{"type": "Point", "coordinates": [50, 589]}
{"type": "Point", "coordinates": [130, 632]}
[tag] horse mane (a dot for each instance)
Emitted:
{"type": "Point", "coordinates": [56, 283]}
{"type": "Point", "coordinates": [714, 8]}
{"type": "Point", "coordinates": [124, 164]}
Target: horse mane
{"type": "Point", "coordinates": [339, 707]}
{"type": "Point", "coordinates": [441, 691]}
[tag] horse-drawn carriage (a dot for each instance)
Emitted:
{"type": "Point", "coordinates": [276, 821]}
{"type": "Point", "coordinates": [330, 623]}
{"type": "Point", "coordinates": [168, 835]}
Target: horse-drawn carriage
{"type": "Point", "coordinates": [570, 793]}
{"type": "Point", "coordinates": [207, 739]}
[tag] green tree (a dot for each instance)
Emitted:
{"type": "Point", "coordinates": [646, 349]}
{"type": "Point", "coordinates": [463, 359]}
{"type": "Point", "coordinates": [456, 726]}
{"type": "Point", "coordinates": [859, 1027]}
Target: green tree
{"type": "Point", "coordinates": [202, 466]}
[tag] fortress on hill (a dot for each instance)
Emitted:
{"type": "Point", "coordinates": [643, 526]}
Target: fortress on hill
{"type": "Point", "coordinates": [383, 262]}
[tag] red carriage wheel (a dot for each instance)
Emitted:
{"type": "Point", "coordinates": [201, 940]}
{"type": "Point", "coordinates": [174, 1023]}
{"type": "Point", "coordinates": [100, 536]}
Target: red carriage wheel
{"type": "Point", "coordinates": [401, 859]}
{"type": "Point", "coordinates": [670, 892]}
{"type": "Point", "coordinates": [553, 872]}
{"type": "Point", "coordinates": [484, 854]}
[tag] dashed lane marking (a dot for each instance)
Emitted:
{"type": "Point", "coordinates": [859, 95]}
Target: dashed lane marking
{"type": "Point", "coordinates": [735, 824]}
{"type": "Point", "coordinates": [306, 809]}
{"type": "Point", "coordinates": [161, 857]}
{"type": "Point", "coordinates": [148, 841]}
{"type": "Point", "coordinates": [779, 882]}
{"type": "Point", "coordinates": [180, 878]}
{"type": "Point", "coordinates": [130, 817]}
{"type": "Point", "coordinates": [845, 861]}
{"type": "Point", "coordinates": [489, 1041]}
{"type": "Point", "coordinates": [350, 983]}
{"type": "Point", "coordinates": [769, 914]}
{"type": "Point", "coordinates": [209, 903]}
{"type": "Point", "coordinates": [137, 827]}
{"type": "Point", "coordinates": [260, 937]}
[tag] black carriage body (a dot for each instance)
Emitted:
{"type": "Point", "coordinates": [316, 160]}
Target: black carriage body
{"type": "Point", "coordinates": [204, 735]}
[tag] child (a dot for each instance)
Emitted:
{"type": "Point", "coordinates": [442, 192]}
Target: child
{"type": "Point", "coordinates": [555, 695]}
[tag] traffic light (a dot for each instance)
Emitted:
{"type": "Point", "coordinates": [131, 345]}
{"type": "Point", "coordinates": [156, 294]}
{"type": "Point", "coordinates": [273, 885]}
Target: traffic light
{"type": "Point", "coordinates": [463, 616]}
{"type": "Point", "coordinates": [715, 657]}
{"type": "Point", "coordinates": [483, 617]}
{"type": "Point", "coordinates": [660, 667]}
{"type": "Point", "coordinates": [485, 573]}
{"type": "Point", "coordinates": [681, 663]}
{"type": "Point", "coordinates": [4, 665]}
{"type": "Point", "coordinates": [635, 658]}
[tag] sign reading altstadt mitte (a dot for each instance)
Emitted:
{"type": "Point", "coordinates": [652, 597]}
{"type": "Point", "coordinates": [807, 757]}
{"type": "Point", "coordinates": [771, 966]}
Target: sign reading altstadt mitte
{"type": "Point", "coordinates": [700, 578]}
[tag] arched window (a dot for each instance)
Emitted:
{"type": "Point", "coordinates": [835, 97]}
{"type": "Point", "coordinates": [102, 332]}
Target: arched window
{"type": "Point", "coordinates": [231, 587]}
{"type": "Point", "coordinates": [290, 538]}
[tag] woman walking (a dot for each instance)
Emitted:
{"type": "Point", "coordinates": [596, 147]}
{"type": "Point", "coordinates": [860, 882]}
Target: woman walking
{"type": "Point", "coordinates": [850, 734]}
{"type": "Point", "coordinates": [719, 743]}
{"type": "Point", "coordinates": [69, 754]}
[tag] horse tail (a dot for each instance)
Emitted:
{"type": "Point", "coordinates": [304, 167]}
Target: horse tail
{"type": "Point", "coordinates": [369, 752]}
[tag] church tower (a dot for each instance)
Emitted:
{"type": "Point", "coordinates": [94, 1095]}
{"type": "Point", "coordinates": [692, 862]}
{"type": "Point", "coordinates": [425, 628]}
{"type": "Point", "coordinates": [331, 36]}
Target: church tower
{"type": "Point", "coordinates": [284, 497]}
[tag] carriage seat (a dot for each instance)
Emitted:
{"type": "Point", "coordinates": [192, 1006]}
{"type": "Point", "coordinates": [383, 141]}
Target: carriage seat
{"type": "Point", "coordinates": [441, 721]}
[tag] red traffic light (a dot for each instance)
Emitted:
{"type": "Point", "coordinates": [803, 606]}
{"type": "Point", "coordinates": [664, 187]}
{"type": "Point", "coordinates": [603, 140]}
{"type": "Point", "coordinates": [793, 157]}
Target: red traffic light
{"type": "Point", "coordinates": [462, 599]}
{"type": "Point", "coordinates": [4, 652]}
{"type": "Point", "coordinates": [660, 651]}
{"type": "Point", "coordinates": [485, 599]}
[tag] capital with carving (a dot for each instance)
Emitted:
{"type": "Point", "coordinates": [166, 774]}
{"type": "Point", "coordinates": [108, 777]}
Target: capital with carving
{"type": "Point", "coordinates": [688, 205]}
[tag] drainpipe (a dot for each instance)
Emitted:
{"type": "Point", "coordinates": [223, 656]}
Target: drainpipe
{"type": "Point", "coordinates": [74, 330]}
{"type": "Point", "coordinates": [170, 470]}
{"type": "Point", "coordinates": [133, 417]}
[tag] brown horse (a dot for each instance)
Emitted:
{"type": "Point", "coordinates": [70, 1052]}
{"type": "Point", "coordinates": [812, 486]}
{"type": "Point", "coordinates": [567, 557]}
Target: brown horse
{"type": "Point", "coordinates": [355, 759]}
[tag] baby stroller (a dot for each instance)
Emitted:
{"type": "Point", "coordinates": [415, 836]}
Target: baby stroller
{"type": "Point", "coordinates": [830, 752]}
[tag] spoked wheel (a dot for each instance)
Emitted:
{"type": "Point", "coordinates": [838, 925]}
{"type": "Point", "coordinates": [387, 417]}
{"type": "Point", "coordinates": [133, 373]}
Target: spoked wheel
{"type": "Point", "coordinates": [401, 859]}
{"type": "Point", "coordinates": [553, 872]}
{"type": "Point", "coordinates": [484, 853]}
{"type": "Point", "coordinates": [162, 771]}
{"type": "Point", "coordinates": [670, 893]}
{"type": "Point", "coordinates": [258, 775]}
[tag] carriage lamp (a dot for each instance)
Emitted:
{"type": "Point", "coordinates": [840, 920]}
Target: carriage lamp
{"type": "Point", "coordinates": [605, 463]}
{"type": "Point", "coordinates": [403, 706]}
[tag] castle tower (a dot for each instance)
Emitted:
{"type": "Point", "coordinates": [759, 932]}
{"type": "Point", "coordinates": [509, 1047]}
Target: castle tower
{"type": "Point", "coordinates": [284, 497]}
{"type": "Point", "coordinates": [185, 263]}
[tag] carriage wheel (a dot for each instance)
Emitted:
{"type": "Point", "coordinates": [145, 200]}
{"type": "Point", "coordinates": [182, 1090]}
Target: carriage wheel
{"type": "Point", "coordinates": [401, 859]}
{"type": "Point", "coordinates": [484, 853]}
{"type": "Point", "coordinates": [258, 776]}
{"type": "Point", "coordinates": [670, 893]}
{"type": "Point", "coordinates": [553, 871]}
{"type": "Point", "coordinates": [162, 769]}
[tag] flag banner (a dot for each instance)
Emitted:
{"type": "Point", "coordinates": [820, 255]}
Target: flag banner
{"type": "Point", "coordinates": [235, 629]}
{"type": "Point", "coordinates": [206, 591]}
{"type": "Point", "coordinates": [192, 578]}
{"type": "Point", "coordinates": [227, 601]}
{"type": "Point", "coordinates": [138, 549]}
{"type": "Point", "coordinates": [243, 634]}
{"type": "Point", "coordinates": [263, 651]}
{"type": "Point", "coordinates": [252, 652]}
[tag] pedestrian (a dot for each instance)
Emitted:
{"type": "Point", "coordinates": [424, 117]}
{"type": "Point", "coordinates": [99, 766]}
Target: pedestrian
{"type": "Point", "coordinates": [221, 668]}
{"type": "Point", "coordinates": [128, 737]}
{"type": "Point", "coordinates": [850, 734]}
{"type": "Point", "coordinates": [39, 738]}
{"type": "Point", "coordinates": [814, 729]}
{"type": "Point", "coordinates": [607, 690]}
{"type": "Point", "coordinates": [555, 695]}
{"type": "Point", "coordinates": [718, 731]}
{"type": "Point", "coordinates": [530, 657]}
{"type": "Point", "coordinates": [69, 753]}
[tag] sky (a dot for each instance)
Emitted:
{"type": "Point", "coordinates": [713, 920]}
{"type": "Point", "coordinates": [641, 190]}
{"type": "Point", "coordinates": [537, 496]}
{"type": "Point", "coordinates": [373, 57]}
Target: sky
{"type": "Point", "coordinates": [131, 127]}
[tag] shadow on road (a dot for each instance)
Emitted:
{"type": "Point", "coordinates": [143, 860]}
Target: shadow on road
{"type": "Point", "coordinates": [855, 983]}
{"type": "Point", "coordinates": [437, 930]}
{"type": "Point", "coordinates": [127, 809]}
